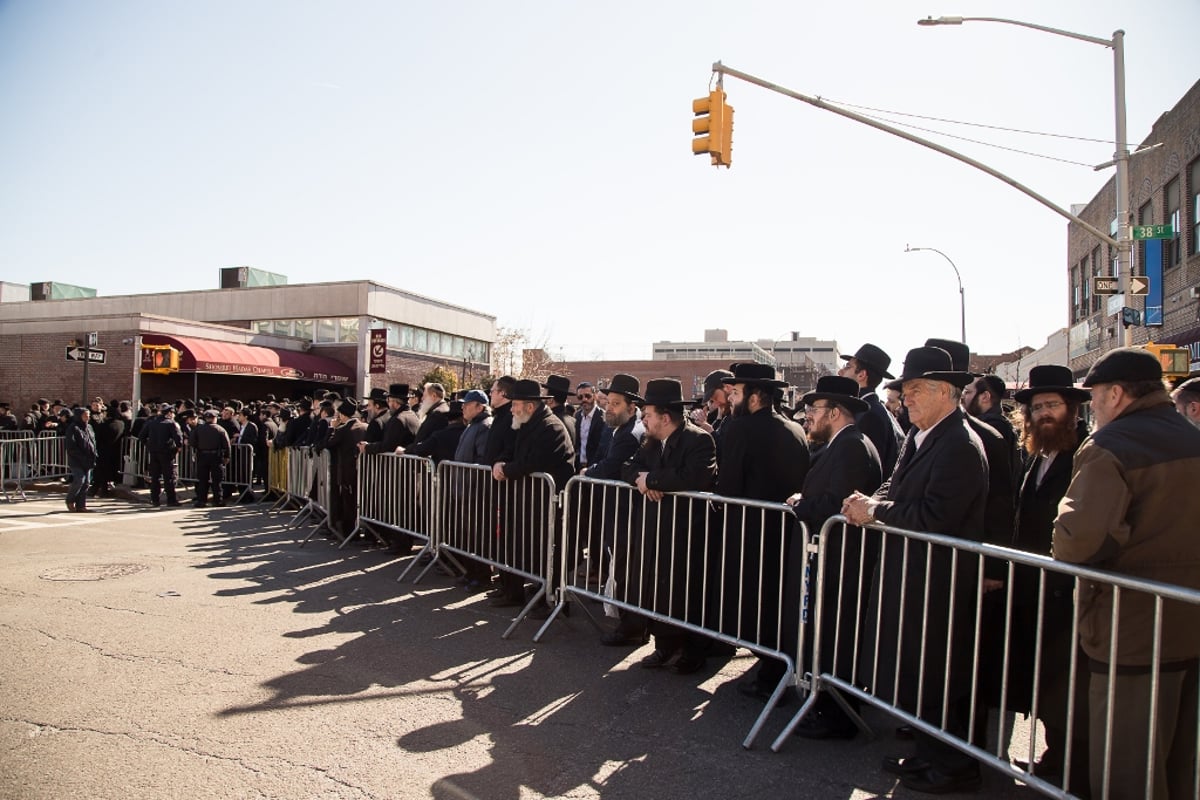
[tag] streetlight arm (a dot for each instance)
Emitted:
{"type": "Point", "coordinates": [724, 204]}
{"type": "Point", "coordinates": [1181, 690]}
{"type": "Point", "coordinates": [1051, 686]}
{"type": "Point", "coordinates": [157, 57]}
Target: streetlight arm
{"type": "Point", "coordinates": [1083, 37]}
{"type": "Point", "coordinates": [962, 294]}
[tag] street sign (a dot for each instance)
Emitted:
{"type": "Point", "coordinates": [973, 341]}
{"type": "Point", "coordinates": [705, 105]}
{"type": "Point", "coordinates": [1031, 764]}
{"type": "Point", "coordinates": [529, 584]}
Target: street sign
{"type": "Point", "coordinates": [1139, 284]}
{"type": "Point", "coordinates": [93, 356]}
{"type": "Point", "coordinates": [1153, 232]}
{"type": "Point", "coordinates": [1105, 285]}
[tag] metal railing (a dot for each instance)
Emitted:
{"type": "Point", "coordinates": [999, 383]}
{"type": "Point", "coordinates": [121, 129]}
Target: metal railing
{"type": "Point", "coordinates": [396, 492]}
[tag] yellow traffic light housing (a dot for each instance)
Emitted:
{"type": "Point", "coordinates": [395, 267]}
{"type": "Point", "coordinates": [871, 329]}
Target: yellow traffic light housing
{"type": "Point", "coordinates": [159, 359]}
{"type": "Point", "coordinates": [713, 128]}
{"type": "Point", "coordinates": [1175, 361]}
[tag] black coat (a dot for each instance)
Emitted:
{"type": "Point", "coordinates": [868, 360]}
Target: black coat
{"type": "Point", "coordinates": [846, 465]}
{"type": "Point", "coordinates": [441, 446]}
{"type": "Point", "coordinates": [502, 437]}
{"type": "Point", "coordinates": [939, 488]}
{"type": "Point", "coordinates": [764, 456]}
{"type": "Point", "coordinates": [80, 444]}
{"type": "Point", "coordinates": [435, 419]}
{"type": "Point", "coordinates": [625, 442]}
{"type": "Point", "coordinates": [248, 434]}
{"type": "Point", "coordinates": [567, 418]}
{"type": "Point", "coordinates": [542, 445]}
{"type": "Point", "coordinates": [399, 430]}
{"type": "Point", "coordinates": [343, 445]}
{"type": "Point", "coordinates": [595, 433]}
{"type": "Point", "coordinates": [878, 425]}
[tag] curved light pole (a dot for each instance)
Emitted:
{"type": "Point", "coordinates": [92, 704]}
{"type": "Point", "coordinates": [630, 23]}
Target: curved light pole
{"type": "Point", "coordinates": [1121, 156]}
{"type": "Point", "coordinates": [962, 295]}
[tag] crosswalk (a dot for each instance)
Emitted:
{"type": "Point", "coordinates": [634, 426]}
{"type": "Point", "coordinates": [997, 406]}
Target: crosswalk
{"type": "Point", "coordinates": [44, 513]}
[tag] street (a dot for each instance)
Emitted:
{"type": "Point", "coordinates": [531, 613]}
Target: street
{"type": "Point", "coordinates": [203, 653]}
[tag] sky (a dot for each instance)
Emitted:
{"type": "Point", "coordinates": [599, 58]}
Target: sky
{"type": "Point", "coordinates": [532, 160]}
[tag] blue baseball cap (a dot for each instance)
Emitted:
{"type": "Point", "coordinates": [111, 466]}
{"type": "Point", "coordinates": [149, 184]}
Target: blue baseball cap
{"type": "Point", "coordinates": [475, 396]}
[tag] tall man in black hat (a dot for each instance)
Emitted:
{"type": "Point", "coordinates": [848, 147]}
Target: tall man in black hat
{"type": "Point", "coordinates": [542, 445]}
{"type": "Point", "coordinates": [1132, 507]}
{"type": "Point", "coordinates": [1051, 409]}
{"type": "Point", "coordinates": [847, 463]}
{"type": "Point", "coordinates": [348, 431]}
{"type": "Point", "coordinates": [939, 486]}
{"type": "Point", "coordinates": [868, 367]}
{"type": "Point", "coordinates": [675, 456]}
{"type": "Point", "coordinates": [377, 411]}
{"type": "Point", "coordinates": [557, 388]}
{"type": "Point", "coordinates": [763, 456]}
{"type": "Point", "coordinates": [211, 445]}
{"type": "Point", "coordinates": [716, 408]}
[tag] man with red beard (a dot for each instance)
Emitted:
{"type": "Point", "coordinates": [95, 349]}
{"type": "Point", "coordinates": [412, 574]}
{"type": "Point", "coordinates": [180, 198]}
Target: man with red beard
{"type": "Point", "coordinates": [1051, 410]}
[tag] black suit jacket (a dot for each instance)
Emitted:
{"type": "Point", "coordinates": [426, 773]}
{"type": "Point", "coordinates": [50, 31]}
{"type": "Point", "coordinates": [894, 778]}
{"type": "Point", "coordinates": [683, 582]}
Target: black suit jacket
{"type": "Point", "coordinates": [400, 430]}
{"type": "Point", "coordinates": [939, 488]}
{"type": "Point", "coordinates": [878, 425]}
{"type": "Point", "coordinates": [625, 442]}
{"type": "Point", "coordinates": [542, 445]}
{"type": "Point", "coordinates": [435, 419]}
{"type": "Point", "coordinates": [850, 463]}
{"type": "Point", "coordinates": [763, 457]}
{"type": "Point", "coordinates": [595, 432]}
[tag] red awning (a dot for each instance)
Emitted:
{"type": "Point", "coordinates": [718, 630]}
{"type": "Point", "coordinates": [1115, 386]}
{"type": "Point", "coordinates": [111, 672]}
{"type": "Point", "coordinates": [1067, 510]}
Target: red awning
{"type": "Point", "coordinates": [226, 358]}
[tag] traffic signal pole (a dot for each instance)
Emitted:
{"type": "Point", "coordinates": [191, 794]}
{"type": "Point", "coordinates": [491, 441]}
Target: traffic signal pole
{"type": "Point", "coordinates": [722, 70]}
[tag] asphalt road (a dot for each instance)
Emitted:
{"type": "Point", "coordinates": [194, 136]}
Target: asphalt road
{"type": "Point", "coordinates": [185, 653]}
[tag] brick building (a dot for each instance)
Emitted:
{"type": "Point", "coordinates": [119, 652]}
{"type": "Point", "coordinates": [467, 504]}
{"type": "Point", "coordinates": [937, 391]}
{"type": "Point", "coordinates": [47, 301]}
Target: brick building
{"type": "Point", "coordinates": [243, 342]}
{"type": "Point", "coordinates": [1164, 187]}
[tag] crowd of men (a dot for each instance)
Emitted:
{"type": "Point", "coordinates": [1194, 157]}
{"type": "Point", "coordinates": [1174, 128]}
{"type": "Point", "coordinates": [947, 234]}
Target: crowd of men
{"type": "Point", "coordinates": [938, 453]}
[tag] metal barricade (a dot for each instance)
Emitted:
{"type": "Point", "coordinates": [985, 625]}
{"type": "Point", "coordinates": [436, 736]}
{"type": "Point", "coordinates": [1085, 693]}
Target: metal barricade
{"type": "Point", "coordinates": [135, 460]}
{"type": "Point", "coordinates": [711, 565]}
{"type": "Point", "coordinates": [938, 646]}
{"type": "Point", "coordinates": [14, 466]}
{"type": "Point", "coordinates": [186, 468]}
{"type": "Point", "coordinates": [277, 474]}
{"type": "Point", "coordinates": [397, 492]}
{"type": "Point", "coordinates": [509, 525]}
{"type": "Point", "coordinates": [7, 435]}
{"type": "Point", "coordinates": [29, 459]}
{"type": "Point", "coordinates": [309, 484]}
{"type": "Point", "coordinates": [48, 457]}
{"type": "Point", "coordinates": [239, 472]}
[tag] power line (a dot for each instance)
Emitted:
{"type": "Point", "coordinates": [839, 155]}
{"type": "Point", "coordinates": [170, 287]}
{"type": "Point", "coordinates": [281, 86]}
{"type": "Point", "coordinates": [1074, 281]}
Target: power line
{"type": "Point", "coordinates": [971, 124]}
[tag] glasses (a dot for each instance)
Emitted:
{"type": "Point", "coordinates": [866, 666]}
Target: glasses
{"type": "Point", "coordinates": [584, 396]}
{"type": "Point", "coordinates": [811, 409]}
{"type": "Point", "coordinates": [1050, 406]}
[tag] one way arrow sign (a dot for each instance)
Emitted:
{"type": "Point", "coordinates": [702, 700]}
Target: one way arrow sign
{"type": "Point", "coordinates": [1139, 284]}
{"type": "Point", "coordinates": [94, 355]}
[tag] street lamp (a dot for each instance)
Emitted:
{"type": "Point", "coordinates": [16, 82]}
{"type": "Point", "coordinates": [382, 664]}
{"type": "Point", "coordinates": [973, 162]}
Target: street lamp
{"type": "Point", "coordinates": [1121, 156]}
{"type": "Point", "coordinates": [962, 295]}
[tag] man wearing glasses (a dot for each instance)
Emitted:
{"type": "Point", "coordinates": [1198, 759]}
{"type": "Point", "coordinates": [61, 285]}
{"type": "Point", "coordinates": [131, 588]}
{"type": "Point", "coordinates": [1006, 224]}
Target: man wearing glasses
{"type": "Point", "coordinates": [589, 423]}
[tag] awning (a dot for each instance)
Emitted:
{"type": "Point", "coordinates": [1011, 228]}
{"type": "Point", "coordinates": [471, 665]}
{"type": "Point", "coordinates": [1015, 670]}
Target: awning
{"type": "Point", "coordinates": [226, 358]}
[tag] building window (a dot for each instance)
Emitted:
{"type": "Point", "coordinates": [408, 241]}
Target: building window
{"type": "Point", "coordinates": [1194, 189]}
{"type": "Point", "coordinates": [1085, 289]}
{"type": "Point", "coordinates": [326, 330]}
{"type": "Point", "coordinates": [1097, 268]}
{"type": "Point", "coordinates": [348, 329]}
{"type": "Point", "coordinates": [304, 328]}
{"type": "Point", "coordinates": [1075, 294]}
{"type": "Point", "coordinates": [1114, 260]}
{"type": "Point", "coordinates": [262, 326]}
{"type": "Point", "coordinates": [283, 327]}
{"type": "Point", "coordinates": [1171, 247]}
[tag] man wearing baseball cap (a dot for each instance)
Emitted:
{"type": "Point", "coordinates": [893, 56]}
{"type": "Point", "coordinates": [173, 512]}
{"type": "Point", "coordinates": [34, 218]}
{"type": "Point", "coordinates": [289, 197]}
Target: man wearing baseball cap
{"type": "Point", "coordinates": [1132, 508]}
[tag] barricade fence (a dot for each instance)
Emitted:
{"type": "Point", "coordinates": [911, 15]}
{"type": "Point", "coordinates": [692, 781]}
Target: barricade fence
{"type": "Point", "coordinates": [25, 460]}
{"type": "Point", "coordinates": [395, 492]}
{"type": "Point", "coordinates": [309, 487]}
{"type": "Point", "coordinates": [238, 472]}
{"type": "Point", "coordinates": [717, 567]}
{"type": "Point", "coordinates": [509, 525]}
{"type": "Point", "coordinates": [277, 471]}
{"type": "Point", "coordinates": [938, 642]}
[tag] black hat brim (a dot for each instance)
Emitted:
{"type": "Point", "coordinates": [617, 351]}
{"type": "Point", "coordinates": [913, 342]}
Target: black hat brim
{"type": "Point", "coordinates": [772, 384]}
{"type": "Point", "coordinates": [861, 360]}
{"type": "Point", "coordinates": [853, 404]}
{"type": "Point", "coordinates": [1070, 392]}
{"type": "Point", "coordinates": [957, 379]}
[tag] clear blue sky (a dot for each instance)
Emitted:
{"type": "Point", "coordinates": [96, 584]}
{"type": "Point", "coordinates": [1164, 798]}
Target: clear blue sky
{"type": "Point", "coordinates": [532, 160]}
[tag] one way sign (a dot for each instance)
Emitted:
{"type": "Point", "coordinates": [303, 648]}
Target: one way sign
{"type": "Point", "coordinates": [94, 355]}
{"type": "Point", "coordinates": [1139, 284]}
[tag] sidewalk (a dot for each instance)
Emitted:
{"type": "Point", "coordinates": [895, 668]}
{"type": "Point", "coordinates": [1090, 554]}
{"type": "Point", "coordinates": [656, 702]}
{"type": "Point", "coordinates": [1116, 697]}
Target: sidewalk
{"type": "Point", "coordinates": [201, 653]}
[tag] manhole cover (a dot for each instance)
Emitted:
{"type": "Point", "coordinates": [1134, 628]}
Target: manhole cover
{"type": "Point", "coordinates": [92, 572]}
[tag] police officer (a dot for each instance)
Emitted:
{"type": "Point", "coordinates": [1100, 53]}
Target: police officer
{"type": "Point", "coordinates": [211, 444]}
{"type": "Point", "coordinates": [162, 439]}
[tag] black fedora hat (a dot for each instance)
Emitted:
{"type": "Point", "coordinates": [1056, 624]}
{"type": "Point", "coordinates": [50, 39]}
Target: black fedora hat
{"type": "Point", "coordinates": [713, 381]}
{"type": "Point", "coordinates": [873, 356]}
{"type": "Point", "coordinates": [931, 364]}
{"type": "Point", "coordinates": [626, 385]}
{"type": "Point", "coordinates": [398, 391]}
{"type": "Point", "coordinates": [664, 392]}
{"type": "Point", "coordinates": [835, 388]}
{"type": "Point", "coordinates": [960, 354]}
{"type": "Point", "coordinates": [377, 394]}
{"type": "Point", "coordinates": [752, 373]}
{"type": "Point", "coordinates": [557, 384]}
{"type": "Point", "coordinates": [1052, 378]}
{"type": "Point", "coordinates": [527, 390]}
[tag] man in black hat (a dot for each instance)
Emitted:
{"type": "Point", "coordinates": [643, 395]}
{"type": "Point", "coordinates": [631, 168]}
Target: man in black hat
{"type": "Point", "coordinates": [847, 463]}
{"type": "Point", "coordinates": [621, 416]}
{"type": "Point", "coordinates": [295, 430]}
{"type": "Point", "coordinates": [400, 426]}
{"type": "Point", "coordinates": [502, 436]}
{"type": "Point", "coordinates": [868, 367]}
{"type": "Point", "coordinates": [983, 399]}
{"type": "Point", "coordinates": [210, 442]}
{"type": "Point", "coordinates": [110, 440]}
{"type": "Point", "coordinates": [542, 445]}
{"type": "Point", "coordinates": [7, 421]}
{"type": "Point", "coordinates": [939, 486]}
{"type": "Point", "coordinates": [348, 431]}
{"type": "Point", "coordinates": [377, 415]}
{"type": "Point", "coordinates": [675, 456]}
{"type": "Point", "coordinates": [162, 438]}
{"type": "Point", "coordinates": [557, 388]}
{"type": "Point", "coordinates": [1132, 507]}
{"type": "Point", "coordinates": [716, 408]}
{"type": "Point", "coordinates": [763, 456]}
{"type": "Point", "coordinates": [1050, 407]}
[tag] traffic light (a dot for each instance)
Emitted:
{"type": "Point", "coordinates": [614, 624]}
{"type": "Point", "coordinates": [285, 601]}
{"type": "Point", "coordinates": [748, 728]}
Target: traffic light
{"type": "Point", "coordinates": [713, 128]}
{"type": "Point", "coordinates": [159, 359]}
{"type": "Point", "coordinates": [1175, 361]}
